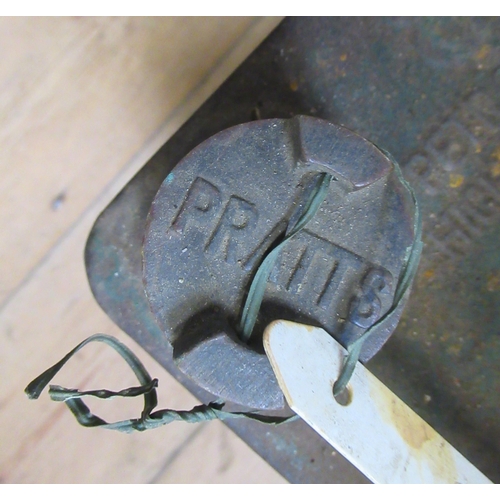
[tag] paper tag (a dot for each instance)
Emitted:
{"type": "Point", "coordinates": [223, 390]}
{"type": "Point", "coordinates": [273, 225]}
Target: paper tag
{"type": "Point", "coordinates": [370, 426]}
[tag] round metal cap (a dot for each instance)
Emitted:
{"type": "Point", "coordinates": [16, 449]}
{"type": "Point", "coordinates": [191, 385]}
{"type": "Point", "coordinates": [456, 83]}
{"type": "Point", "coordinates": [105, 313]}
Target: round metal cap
{"type": "Point", "coordinates": [222, 208]}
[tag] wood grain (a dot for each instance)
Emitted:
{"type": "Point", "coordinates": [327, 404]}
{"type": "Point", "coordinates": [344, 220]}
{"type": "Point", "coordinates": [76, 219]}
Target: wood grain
{"type": "Point", "coordinates": [220, 459]}
{"type": "Point", "coordinates": [78, 98]}
{"type": "Point", "coordinates": [83, 104]}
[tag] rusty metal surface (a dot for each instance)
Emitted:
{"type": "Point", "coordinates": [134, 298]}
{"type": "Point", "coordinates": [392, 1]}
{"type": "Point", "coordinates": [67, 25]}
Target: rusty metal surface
{"type": "Point", "coordinates": [220, 210]}
{"type": "Point", "coordinates": [427, 91]}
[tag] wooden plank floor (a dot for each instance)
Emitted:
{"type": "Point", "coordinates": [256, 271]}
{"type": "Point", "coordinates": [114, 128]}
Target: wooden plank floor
{"type": "Point", "coordinates": [84, 102]}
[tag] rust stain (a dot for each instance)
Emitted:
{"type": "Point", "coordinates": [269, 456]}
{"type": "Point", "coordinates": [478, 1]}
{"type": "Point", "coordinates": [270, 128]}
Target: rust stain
{"type": "Point", "coordinates": [496, 153]}
{"type": "Point", "coordinates": [495, 170]}
{"type": "Point", "coordinates": [410, 427]}
{"type": "Point", "coordinates": [430, 273]}
{"type": "Point", "coordinates": [456, 180]}
{"type": "Point", "coordinates": [425, 445]}
{"type": "Point", "coordinates": [493, 283]}
{"type": "Point", "coordinates": [483, 52]}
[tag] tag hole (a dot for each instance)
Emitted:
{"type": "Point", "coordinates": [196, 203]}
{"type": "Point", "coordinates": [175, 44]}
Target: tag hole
{"type": "Point", "coordinates": [345, 397]}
